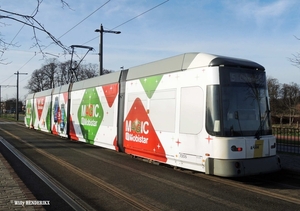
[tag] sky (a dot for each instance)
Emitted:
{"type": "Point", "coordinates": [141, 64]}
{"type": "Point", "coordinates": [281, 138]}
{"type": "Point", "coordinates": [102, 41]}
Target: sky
{"type": "Point", "coordinates": [264, 31]}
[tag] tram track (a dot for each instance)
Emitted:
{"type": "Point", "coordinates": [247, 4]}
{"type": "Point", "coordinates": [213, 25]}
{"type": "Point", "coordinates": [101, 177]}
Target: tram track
{"type": "Point", "coordinates": [140, 204]}
{"type": "Point", "coordinates": [224, 181]}
{"type": "Point", "coordinates": [173, 184]}
{"type": "Point", "coordinates": [134, 202]}
{"type": "Point", "coordinates": [254, 189]}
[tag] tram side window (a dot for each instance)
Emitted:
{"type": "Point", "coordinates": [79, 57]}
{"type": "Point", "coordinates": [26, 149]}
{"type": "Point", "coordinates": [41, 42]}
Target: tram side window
{"type": "Point", "coordinates": [191, 110]}
{"type": "Point", "coordinates": [109, 116]}
{"type": "Point", "coordinates": [162, 110]}
{"type": "Point", "coordinates": [213, 116]}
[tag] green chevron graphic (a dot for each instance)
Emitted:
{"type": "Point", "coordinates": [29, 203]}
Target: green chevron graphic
{"type": "Point", "coordinates": [150, 84]}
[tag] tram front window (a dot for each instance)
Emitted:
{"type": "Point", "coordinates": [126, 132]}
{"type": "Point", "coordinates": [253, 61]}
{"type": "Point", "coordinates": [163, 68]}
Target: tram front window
{"type": "Point", "coordinates": [245, 106]}
{"type": "Point", "coordinates": [239, 105]}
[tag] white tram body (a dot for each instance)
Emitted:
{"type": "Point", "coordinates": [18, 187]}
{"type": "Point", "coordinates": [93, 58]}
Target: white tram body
{"type": "Point", "coordinates": [196, 111]}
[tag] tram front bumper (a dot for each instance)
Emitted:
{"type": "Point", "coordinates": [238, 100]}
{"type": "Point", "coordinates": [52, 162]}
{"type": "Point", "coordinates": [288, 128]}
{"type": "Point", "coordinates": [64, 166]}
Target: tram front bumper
{"type": "Point", "coordinates": [242, 167]}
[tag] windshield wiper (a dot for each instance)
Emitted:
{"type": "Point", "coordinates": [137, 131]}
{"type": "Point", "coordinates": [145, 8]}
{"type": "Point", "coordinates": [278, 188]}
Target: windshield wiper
{"type": "Point", "coordinates": [262, 123]}
{"type": "Point", "coordinates": [236, 116]}
{"type": "Point", "coordinates": [260, 128]}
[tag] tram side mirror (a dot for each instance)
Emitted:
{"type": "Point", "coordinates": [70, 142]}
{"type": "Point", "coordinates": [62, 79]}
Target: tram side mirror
{"type": "Point", "coordinates": [217, 126]}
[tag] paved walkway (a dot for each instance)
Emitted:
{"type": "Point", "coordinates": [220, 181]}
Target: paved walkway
{"type": "Point", "coordinates": [13, 192]}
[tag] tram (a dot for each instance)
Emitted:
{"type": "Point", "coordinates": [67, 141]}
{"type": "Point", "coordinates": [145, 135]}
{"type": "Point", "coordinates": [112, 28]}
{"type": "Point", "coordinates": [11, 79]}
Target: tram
{"type": "Point", "coordinates": [196, 111]}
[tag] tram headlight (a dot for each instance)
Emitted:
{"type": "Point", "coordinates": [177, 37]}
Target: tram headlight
{"type": "Point", "coordinates": [236, 149]}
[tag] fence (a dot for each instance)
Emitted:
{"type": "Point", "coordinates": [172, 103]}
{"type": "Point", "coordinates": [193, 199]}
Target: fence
{"type": "Point", "coordinates": [287, 139]}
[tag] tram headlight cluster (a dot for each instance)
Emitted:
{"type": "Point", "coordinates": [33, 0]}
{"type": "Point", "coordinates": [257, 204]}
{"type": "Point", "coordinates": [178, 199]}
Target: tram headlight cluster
{"type": "Point", "coordinates": [236, 149]}
{"type": "Point", "coordinates": [237, 165]}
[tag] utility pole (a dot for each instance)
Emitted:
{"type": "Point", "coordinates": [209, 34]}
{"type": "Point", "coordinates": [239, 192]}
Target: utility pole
{"type": "Point", "coordinates": [101, 30]}
{"type": "Point", "coordinates": [17, 103]}
{"type": "Point", "coordinates": [1, 111]}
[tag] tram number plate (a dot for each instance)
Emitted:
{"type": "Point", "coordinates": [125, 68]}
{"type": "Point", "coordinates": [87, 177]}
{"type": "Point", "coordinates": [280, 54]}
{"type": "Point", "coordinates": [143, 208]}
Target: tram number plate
{"type": "Point", "coordinates": [258, 148]}
{"type": "Point", "coordinates": [182, 155]}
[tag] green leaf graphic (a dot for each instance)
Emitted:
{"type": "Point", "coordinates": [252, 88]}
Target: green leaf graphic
{"type": "Point", "coordinates": [150, 84]}
{"type": "Point", "coordinates": [90, 114]}
{"type": "Point", "coordinates": [28, 112]}
{"type": "Point", "coordinates": [48, 119]}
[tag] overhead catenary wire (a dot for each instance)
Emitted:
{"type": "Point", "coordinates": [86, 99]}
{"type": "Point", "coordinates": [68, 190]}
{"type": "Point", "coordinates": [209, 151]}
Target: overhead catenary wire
{"type": "Point", "coordinates": [67, 32]}
{"type": "Point", "coordinates": [83, 20]}
{"type": "Point", "coordinates": [152, 8]}
{"type": "Point", "coordinates": [35, 54]}
{"type": "Point", "coordinates": [34, 11]}
{"type": "Point", "coordinates": [125, 22]}
{"type": "Point", "coordinates": [140, 14]}
{"type": "Point", "coordinates": [12, 40]}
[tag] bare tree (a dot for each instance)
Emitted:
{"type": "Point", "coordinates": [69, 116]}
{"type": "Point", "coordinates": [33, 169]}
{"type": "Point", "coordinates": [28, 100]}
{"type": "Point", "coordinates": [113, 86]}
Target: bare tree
{"type": "Point", "coordinates": [87, 71]}
{"type": "Point", "coordinates": [290, 99]}
{"type": "Point", "coordinates": [83, 71]}
{"type": "Point", "coordinates": [54, 74]}
{"type": "Point", "coordinates": [37, 82]}
{"type": "Point", "coordinates": [30, 21]}
{"type": "Point", "coordinates": [50, 70]}
{"type": "Point", "coordinates": [274, 88]}
{"type": "Point", "coordinates": [296, 58]}
{"type": "Point", "coordinates": [106, 71]}
{"type": "Point", "coordinates": [63, 76]}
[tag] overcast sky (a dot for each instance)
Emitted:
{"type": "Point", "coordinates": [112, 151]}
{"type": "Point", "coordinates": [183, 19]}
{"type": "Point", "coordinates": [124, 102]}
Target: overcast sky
{"type": "Point", "coordinates": [263, 31]}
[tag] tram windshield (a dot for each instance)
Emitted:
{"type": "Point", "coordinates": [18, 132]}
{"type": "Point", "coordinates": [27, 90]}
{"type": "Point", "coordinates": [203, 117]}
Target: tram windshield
{"type": "Point", "coordinates": [239, 106]}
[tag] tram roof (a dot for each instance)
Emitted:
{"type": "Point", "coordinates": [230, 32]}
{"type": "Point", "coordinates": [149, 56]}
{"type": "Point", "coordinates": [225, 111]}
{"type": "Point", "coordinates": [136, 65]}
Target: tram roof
{"type": "Point", "coordinates": [30, 96]}
{"type": "Point", "coordinates": [44, 93]}
{"type": "Point", "coordinates": [61, 89]}
{"type": "Point", "coordinates": [97, 81]}
{"type": "Point", "coordinates": [188, 61]}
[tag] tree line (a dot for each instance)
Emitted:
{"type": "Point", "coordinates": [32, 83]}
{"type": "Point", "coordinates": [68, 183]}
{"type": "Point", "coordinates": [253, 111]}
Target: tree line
{"type": "Point", "coordinates": [55, 73]}
{"type": "Point", "coordinates": [284, 101]}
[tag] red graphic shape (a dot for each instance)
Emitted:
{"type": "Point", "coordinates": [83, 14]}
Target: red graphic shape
{"type": "Point", "coordinates": [178, 142]}
{"type": "Point", "coordinates": [208, 139]}
{"type": "Point", "coordinates": [110, 92]}
{"type": "Point", "coordinates": [140, 138]}
{"type": "Point", "coordinates": [65, 95]}
{"type": "Point", "coordinates": [54, 131]}
{"type": "Point", "coordinates": [58, 115]}
{"type": "Point", "coordinates": [116, 144]}
{"type": "Point", "coordinates": [40, 103]}
{"type": "Point", "coordinates": [72, 131]}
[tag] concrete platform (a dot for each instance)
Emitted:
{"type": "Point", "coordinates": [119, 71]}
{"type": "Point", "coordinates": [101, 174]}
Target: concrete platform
{"type": "Point", "coordinates": [13, 192]}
